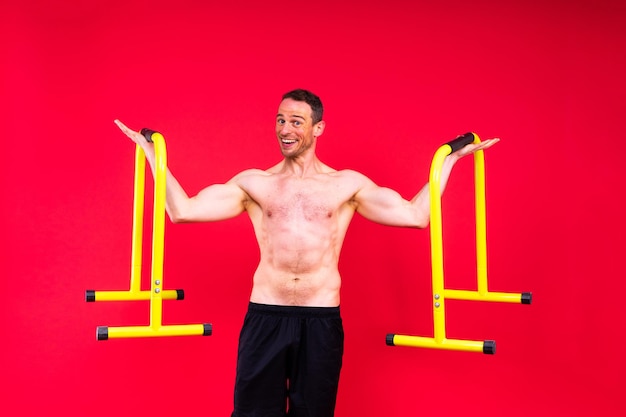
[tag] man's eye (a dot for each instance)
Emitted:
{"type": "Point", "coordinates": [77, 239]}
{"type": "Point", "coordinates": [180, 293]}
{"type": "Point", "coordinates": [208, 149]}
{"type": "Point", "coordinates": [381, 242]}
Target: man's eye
{"type": "Point", "coordinates": [297, 123]}
{"type": "Point", "coordinates": [280, 122]}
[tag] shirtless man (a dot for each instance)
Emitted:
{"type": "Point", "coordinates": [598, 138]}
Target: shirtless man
{"type": "Point", "coordinates": [291, 344]}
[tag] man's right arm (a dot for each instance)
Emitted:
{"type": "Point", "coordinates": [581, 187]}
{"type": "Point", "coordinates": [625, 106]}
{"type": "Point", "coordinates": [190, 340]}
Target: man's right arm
{"type": "Point", "coordinates": [215, 202]}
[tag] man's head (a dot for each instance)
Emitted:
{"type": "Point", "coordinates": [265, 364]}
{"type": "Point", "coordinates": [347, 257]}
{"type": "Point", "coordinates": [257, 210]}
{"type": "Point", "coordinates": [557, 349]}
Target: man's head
{"type": "Point", "coordinates": [317, 110]}
{"type": "Point", "coordinates": [299, 123]}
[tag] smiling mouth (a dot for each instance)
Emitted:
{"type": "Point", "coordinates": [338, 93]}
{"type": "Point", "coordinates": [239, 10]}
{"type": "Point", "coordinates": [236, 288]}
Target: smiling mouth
{"type": "Point", "coordinates": [288, 141]}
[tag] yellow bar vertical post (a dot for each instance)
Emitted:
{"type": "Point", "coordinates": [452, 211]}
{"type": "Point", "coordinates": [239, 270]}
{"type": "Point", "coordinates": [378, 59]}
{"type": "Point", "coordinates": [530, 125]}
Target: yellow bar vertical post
{"type": "Point", "coordinates": [158, 231]}
{"type": "Point", "coordinates": [138, 208]}
{"type": "Point", "coordinates": [481, 220]}
{"type": "Point", "coordinates": [436, 244]}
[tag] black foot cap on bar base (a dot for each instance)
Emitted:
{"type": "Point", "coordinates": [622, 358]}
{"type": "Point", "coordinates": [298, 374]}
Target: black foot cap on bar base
{"type": "Point", "coordinates": [180, 294]}
{"type": "Point", "coordinates": [489, 347]}
{"type": "Point", "coordinates": [208, 330]}
{"type": "Point", "coordinates": [102, 333]}
{"type": "Point", "coordinates": [527, 297]}
{"type": "Point", "coordinates": [90, 295]}
{"type": "Point", "coordinates": [390, 340]}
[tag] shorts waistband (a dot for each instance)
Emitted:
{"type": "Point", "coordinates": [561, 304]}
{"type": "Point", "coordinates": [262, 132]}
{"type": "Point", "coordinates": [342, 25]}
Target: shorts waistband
{"type": "Point", "coordinates": [294, 311]}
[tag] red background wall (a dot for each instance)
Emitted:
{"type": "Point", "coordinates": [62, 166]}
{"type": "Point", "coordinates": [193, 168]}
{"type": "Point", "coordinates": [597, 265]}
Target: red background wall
{"type": "Point", "coordinates": [398, 78]}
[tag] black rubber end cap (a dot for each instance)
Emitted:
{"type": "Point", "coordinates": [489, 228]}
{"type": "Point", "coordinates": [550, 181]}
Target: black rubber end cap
{"type": "Point", "coordinates": [208, 329]}
{"type": "Point", "coordinates": [90, 296]}
{"type": "Point", "coordinates": [389, 339]}
{"type": "Point", "coordinates": [102, 333]}
{"type": "Point", "coordinates": [527, 297]}
{"type": "Point", "coordinates": [180, 294]}
{"type": "Point", "coordinates": [489, 347]}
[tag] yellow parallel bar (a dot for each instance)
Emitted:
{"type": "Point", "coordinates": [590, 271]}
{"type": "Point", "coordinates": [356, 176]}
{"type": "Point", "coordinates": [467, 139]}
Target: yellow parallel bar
{"type": "Point", "coordinates": [503, 297]}
{"type": "Point", "coordinates": [156, 293]}
{"type": "Point", "coordinates": [439, 340]}
{"type": "Point", "coordinates": [446, 344]}
{"type": "Point", "coordinates": [133, 295]}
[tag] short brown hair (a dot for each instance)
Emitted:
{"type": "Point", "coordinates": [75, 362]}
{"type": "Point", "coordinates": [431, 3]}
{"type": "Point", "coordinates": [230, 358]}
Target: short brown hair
{"type": "Point", "coordinates": [317, 109]}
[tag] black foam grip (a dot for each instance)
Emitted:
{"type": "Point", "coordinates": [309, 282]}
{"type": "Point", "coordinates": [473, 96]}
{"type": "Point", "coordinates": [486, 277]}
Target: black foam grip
{"type": "Point", "coordinates": [180, 294]}
{"type": "Point", "coordinates": [389, 340]}
{"type": "Point", "coordinates": [90, 296]}
{"type": "Point", "coordinates": [527, 297]}
{"type": "Point", "coordinates": [461, 141]}
{"type": "Point", "coordinates": [147, 133]}
{"type": "Point", "coordinates": [208, 330]}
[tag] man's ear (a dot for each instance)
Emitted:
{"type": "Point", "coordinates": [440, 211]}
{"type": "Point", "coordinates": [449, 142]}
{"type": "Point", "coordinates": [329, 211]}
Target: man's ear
{"type": "Point", "coordinates": [318, 129]}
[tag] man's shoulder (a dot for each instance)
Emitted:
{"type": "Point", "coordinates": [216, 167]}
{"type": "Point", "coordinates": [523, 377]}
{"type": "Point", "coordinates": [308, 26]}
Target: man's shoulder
{"type": "Point", "coordinates": [348, 175]}
{"type": "Point", "coordinates": [253, 172]}
{"type": "Point", "coordinates": [248, 179]}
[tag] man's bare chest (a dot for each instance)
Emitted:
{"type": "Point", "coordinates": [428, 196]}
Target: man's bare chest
{"type": "Point", "coordinates": [302, 204]}
{"type": "Point", "coordinates": [310, 200]}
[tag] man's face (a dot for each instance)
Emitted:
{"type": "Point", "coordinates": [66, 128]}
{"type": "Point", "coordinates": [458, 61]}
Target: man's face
{"type": "Point", "coordinates": [295, 130]}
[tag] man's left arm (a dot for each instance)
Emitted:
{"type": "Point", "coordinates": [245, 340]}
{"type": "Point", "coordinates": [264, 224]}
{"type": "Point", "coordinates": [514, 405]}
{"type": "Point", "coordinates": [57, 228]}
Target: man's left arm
{"type": "Point", "coordinates": [385, 206]}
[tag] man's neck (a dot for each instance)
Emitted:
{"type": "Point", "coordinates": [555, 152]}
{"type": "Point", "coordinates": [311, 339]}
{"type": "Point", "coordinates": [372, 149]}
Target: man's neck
{"type": "Point", "coordinates": [303, 166]}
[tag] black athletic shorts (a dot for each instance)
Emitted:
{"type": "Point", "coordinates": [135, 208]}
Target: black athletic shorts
{"type": "Point", "coordinates": [289, 361]}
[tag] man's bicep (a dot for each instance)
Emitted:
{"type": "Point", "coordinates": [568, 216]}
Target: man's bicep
{"type": "Point", "coordinates": [373, 198]}
{"type": "Point", "coordinates": [219, 202]}
{"type": "Point", "coordinates": [385, 206]}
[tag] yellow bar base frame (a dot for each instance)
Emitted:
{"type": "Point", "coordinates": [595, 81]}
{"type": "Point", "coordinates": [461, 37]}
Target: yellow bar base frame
{"type": "Point", "coordinates": [487, 346]}
{"type": "Point", "coordinates": [440, 293]}
{"type": "Point", "coordinates": [93, 295]}
{"type": "Point", "coordinates": [104, 332]}
{"type": "Point", "coordinates": [499, 297]}
{"type": "Point", "coordinates": [156, 294]}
